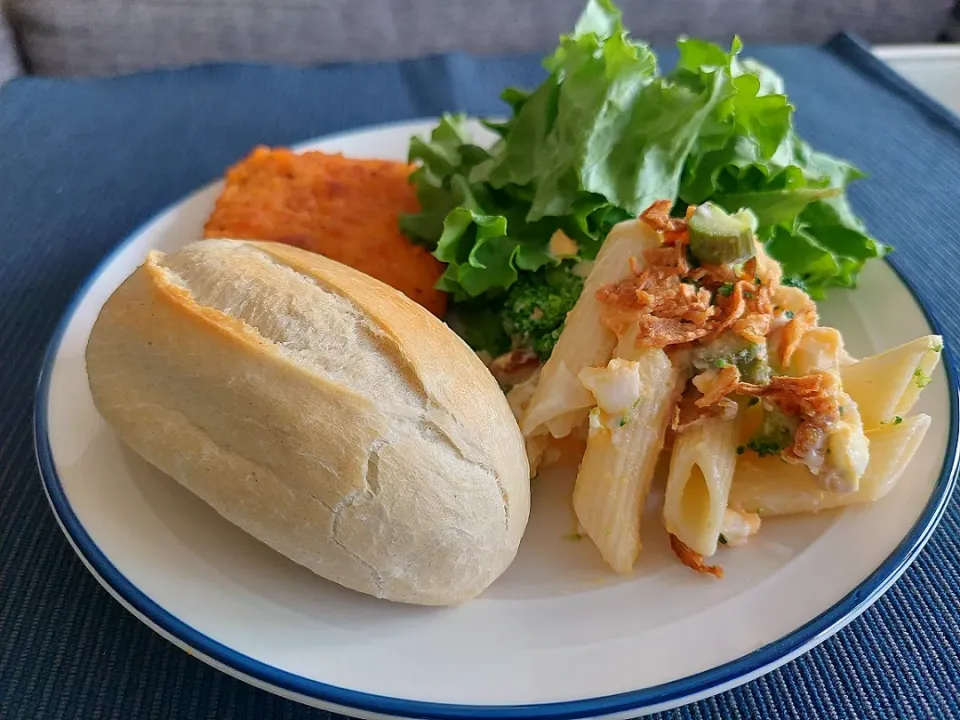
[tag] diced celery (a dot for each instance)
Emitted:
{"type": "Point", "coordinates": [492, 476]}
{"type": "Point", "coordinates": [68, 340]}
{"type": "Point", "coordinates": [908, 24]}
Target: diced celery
{"type": "Point", "coordinates": [718, 238]}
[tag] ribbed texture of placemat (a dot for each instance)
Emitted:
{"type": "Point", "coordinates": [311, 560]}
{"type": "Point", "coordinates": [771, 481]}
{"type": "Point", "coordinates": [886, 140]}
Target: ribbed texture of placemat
{"type": "Point", "coordinates": [83, 163]}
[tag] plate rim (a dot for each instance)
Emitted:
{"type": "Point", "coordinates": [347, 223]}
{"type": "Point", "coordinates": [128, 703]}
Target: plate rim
{"type": "Point", "coordinates": [669, 694]}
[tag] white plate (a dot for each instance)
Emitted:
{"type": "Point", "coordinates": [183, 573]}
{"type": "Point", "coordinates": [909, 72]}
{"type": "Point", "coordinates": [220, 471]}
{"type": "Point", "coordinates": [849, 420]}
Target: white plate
{"type": "Point", "coordinates": [558, 635]}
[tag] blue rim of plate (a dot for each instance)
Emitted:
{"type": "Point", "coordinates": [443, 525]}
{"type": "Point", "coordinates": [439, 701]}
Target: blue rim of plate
{"type": "Point", "coordinates": [672, 693]}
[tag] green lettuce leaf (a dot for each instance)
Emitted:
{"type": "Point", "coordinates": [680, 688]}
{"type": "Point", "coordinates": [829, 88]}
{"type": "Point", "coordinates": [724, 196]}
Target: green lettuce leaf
{"type": "Point", "coordinates": [441, 180]}
{"type": "Point", "coordinates": [481, 254]}
{"type": "Point", "coordinates": [604, 123]}
{"type": "Point", "coordinates": [604, 136]}
{"type": "Point", "coordinates": [773, 207]}
{"type": "Point", "coordinates": [797, 193]}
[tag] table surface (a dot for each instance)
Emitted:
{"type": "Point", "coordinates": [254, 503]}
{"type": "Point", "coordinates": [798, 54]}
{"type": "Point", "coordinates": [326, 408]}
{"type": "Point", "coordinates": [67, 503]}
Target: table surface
{"type": "Point", "coordinates": [78, 150]}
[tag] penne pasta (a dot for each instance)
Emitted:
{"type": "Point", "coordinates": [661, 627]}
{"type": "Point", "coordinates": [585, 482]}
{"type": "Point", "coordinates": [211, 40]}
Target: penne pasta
{"type": "Point", "coordinates": [887, 385]}
{"type": "Point", "coordinates": [769, 486]}
{"type": "Point", "coordinates": [621, 455]}
{"type": "Point", "coordinates": [561, 402]}
{"type": "Point", "coordinates": [820, 348]}
{"type": "Point", "coordinates": [780, 419]}
{"type": "Point", "coordinates": [701, 469]}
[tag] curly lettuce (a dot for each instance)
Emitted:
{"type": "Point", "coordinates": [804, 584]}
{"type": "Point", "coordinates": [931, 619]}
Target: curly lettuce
{"type": "Point", "coordinates": [604, 136]}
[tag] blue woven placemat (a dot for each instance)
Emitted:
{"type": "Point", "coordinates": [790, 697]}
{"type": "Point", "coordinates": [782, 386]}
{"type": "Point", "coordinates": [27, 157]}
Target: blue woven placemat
{"type": "Point", "coordinates": [84, 162]}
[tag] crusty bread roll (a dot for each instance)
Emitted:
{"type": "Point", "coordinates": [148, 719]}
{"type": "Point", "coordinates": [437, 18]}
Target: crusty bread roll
{"type": "Point", "coordinates": [321, 411]}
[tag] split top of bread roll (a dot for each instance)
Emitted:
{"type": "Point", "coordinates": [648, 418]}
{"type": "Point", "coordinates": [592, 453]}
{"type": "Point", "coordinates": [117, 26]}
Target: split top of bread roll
{"type": "Point", "coordinates": [321, 411]}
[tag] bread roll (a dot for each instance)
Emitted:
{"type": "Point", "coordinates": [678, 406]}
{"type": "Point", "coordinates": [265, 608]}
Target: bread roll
{"type": "Point", "coordinates": [321, 411]}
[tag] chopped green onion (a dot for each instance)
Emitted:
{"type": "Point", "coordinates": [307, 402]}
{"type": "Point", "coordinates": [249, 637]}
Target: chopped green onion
{"type": "Point", "coordinates": [766, 447]}
{"type": "Point", "coordinates": [627, 416]}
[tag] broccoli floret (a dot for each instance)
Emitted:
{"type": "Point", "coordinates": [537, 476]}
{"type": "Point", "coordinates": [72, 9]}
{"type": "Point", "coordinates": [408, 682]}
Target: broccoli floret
{"type": "Point", "coordinates": [479, 323]}
{"type": "Point", "coordinates": [756, 371]}
{"type": "Point", "coordinates": [537, 305]}
{"type": "Point", "coordinates": [531, 314]}
{"type": "Point", "coordinates": [775, 435]}
{"type": "Point", "coordinates": [731, 349]}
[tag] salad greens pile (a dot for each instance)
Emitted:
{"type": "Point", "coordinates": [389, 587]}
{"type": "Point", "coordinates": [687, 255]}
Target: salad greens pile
{"type": "Point", "coordinates": [603, 137]}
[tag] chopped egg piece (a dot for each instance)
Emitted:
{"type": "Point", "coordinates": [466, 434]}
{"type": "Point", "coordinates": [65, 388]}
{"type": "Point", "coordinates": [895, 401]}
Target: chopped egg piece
{"type": "Point", "coordinates": [848, 450]}
{"type": "Point", "coordinates": [562, 246]}
{"type": "Point", "coordinates": [583, 268]}
{"type": "Point", "coordinates": [595, 422]}
{"type": "Point", "coordinates": [617, 387]}
{"type": "Point", "coordinates": [599, 421]}
{"type": "Point", "coordinates": [738, 526]}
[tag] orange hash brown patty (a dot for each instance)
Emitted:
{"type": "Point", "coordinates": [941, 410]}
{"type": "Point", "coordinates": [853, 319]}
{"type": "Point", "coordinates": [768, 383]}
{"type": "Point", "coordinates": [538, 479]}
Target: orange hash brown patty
{"type": "Point", "coordinates": [344, 208]}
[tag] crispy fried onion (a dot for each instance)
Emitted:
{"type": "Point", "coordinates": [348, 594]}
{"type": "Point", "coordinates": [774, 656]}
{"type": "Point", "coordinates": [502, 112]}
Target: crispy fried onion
{"type": "Point", "coordinates": [515, 366]}
{"type": "Point", "coordinates": [706, 398]}
{"type": "Point", "coordinates": [805, 396]}
{"type": "Point", "coordinates": [658, 217]}
{"type": "Point", "coordinates": [693, 559]}
{"type": "Point", "coordinates": [813, 399]}
{"type": "Point", "coordinates": [794, 331]}
{"type": "Point", "coordinates": [715, 385]}
{"type": "Point", "coordinates": [673, 303]}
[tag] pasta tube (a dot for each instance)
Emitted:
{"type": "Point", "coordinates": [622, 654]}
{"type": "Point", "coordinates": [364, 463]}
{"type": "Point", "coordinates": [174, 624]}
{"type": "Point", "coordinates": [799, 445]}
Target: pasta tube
{"type": "Point", "coordinates": [622, 450]}
{"type": "Point", "coordinates": [769, 486]}
{"type": "Point", "coordinates": [820, 348]}
{"type": "Point", "coordinates": [887, 385]}
{"type": "Point", "coordinates": [701, 469]}
{"type": "Point", "coordinates": [560, 402]}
